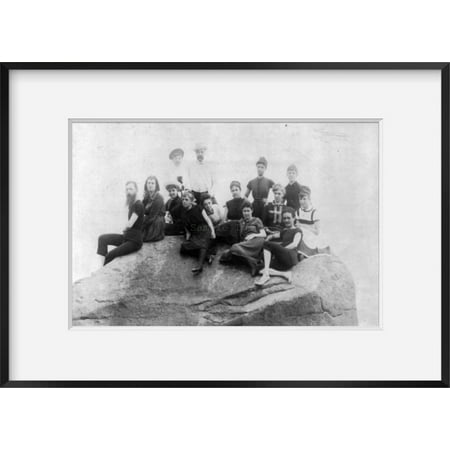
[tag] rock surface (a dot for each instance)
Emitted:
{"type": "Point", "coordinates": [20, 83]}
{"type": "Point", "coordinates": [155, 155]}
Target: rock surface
{"type": "Point", "coordinates": [155, 286]}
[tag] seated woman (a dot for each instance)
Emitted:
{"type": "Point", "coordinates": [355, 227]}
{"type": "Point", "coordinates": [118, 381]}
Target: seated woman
{"type": "Point", "coordinates": [309, 223]}
{"type": "Point", "coordinates": [173, 223]}
{"type": "Point", "coordinates": [153, 228]}
{"type": "Point", "coordinates": [233, 207]}
{"type": "Point", "coordinates": [228, 231]}
{"type": "Point", "coordinates": [273, 211]}
{"type": "Point", "coordinates": [131, 239]}
{"type": "Point", "coordinates": [252, 236]}
{"type": "Point", "coordinates": [199, 231]}
{"type": "Point", "coordinates": [280, 257]}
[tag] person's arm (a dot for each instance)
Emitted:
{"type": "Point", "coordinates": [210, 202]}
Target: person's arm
{"type": "Point", "coordinates": [249, 189]}
{"type": "Point", "coordinates": [220, 213]}
{"type": "Point", "coordinates": [273, 235]}
{"type": "Point", "coordinates": [225, 213]}
{"type": "Point", "coordinates": [295, 241]}
{"type": "Point", "coordinates": [271, 184]}
{"type": "Point", "coordinates": [210, 224]}
{"type": "Point", "coordinates": [316, 227]}
{"type": "Point", "coordinates": [261, 233]}
{"type": "Point", "coordinates": [186, 179]}
{"type": "Point", "coordinates": [137, 210]}
{"type": "Point", "coordinates": [131, 221]}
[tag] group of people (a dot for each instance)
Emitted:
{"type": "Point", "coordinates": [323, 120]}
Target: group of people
{"type": "Point", "coordinates": [270, 237]}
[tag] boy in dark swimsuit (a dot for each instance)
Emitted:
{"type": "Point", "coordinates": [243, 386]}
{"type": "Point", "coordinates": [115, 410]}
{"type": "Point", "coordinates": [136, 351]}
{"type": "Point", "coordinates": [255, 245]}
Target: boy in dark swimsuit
{"type": "Point", "coordinates": [259, 187]}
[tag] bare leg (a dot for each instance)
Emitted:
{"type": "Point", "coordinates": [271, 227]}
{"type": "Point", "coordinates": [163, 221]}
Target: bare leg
{"type": "Point", "coordinates": [284, 274]}
{"type": "Point", "coordinates": [201, 261]}
{"type": "Point", "coordinates": [101, 261]}
{"type": "Point", "coordinates": [266, 271]}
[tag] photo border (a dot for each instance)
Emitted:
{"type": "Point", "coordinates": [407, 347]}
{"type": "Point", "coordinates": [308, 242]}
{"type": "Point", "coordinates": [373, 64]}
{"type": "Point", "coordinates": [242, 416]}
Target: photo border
{"type": "Point", "coordinates": [72, 121]}
{"type": "Point", "coordinates": [5, 381]}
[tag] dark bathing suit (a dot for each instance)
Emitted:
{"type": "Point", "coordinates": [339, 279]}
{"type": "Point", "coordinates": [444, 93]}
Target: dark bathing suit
{"type": "Point", "coordinates": [128, 242]}
{"type": "Point", "coordinates": [283, 258]}
{"type": "Point", "coordinates": [260, 188]}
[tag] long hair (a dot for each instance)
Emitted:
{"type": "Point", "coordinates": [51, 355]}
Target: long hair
{"type": "Point", "coordinates": [146, 191]}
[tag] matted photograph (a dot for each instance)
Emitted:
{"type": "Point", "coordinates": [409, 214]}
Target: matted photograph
{"type": "Point", "coordinates": [224, 222]}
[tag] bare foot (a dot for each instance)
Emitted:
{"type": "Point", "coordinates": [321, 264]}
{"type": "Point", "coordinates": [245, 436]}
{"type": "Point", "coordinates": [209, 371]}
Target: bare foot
{"type": "Point", "coordinates": [263, 280]}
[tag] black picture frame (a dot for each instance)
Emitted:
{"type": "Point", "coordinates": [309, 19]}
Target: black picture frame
{"type": "Point", "coordinates": [5, 69]}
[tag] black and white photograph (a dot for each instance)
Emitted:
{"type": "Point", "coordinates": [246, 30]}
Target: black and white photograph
{"type": "Point", "coordinates": [224, 222]}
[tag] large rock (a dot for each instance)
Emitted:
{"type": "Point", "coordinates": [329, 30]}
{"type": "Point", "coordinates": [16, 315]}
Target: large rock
{"type": "Point", "coordinates": [155, 286]}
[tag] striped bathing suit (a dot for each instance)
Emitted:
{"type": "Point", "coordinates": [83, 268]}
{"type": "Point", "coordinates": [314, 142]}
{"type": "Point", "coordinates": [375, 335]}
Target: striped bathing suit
{"type": "Point", "coordinates": [309, 243]}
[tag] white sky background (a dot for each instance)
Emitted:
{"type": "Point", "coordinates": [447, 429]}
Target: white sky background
{"type": "Point", "coordinates": [338, 161]}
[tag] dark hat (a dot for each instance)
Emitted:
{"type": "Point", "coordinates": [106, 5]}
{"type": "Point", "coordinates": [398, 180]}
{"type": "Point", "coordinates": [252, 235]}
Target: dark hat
{"type": "Point", "coordinates": [304, 190]}
{"type": "Point", "coordinates": [235, 183]}
{"type": "Point", "coordinates": [172, 185]}
{"type": "Point", "coordinates": [176, 152]}
{"type": "Point", "coordinates": [262, 161]}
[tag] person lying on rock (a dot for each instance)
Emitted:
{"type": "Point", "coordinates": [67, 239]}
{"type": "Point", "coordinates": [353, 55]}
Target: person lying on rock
{"type": "Point", "coordinates": [273, 211]}
{"type": "Point", "coordinates": [280, 257]}
{"type": "Point", "coordinates": [228, 231]}
{"type": "Point", "coordinates": [154, 211]}
{"type": "Point", "coordinates": [199, 231]}
{"type": "Point", "coordinates": [131, 239]}
{"type": "Point", "coordinates": [174, 225]}
{"type": "Point", "coordinates": [252, 236]}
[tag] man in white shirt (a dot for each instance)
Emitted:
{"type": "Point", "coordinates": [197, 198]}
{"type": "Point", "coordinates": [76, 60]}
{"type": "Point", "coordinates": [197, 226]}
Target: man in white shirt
{"type": "Point", "coordinates": [201, 175]}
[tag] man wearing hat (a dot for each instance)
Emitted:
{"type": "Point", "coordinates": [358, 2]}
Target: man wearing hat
{"type": "Point", "coordinates": [259, 187]}
{"type": "Point", "coordinates": [201, 175]}
{"type": "Point", "coordinates": [178, 170]}
{"type": "Point", "coordinates": [174, 224]}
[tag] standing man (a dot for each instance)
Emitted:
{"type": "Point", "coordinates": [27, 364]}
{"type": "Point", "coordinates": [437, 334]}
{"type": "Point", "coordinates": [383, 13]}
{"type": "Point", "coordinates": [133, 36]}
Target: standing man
{"type": "Point", "coordinates": [131, 239]}
{"type": "Point", "coordinates": [201, 175]}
